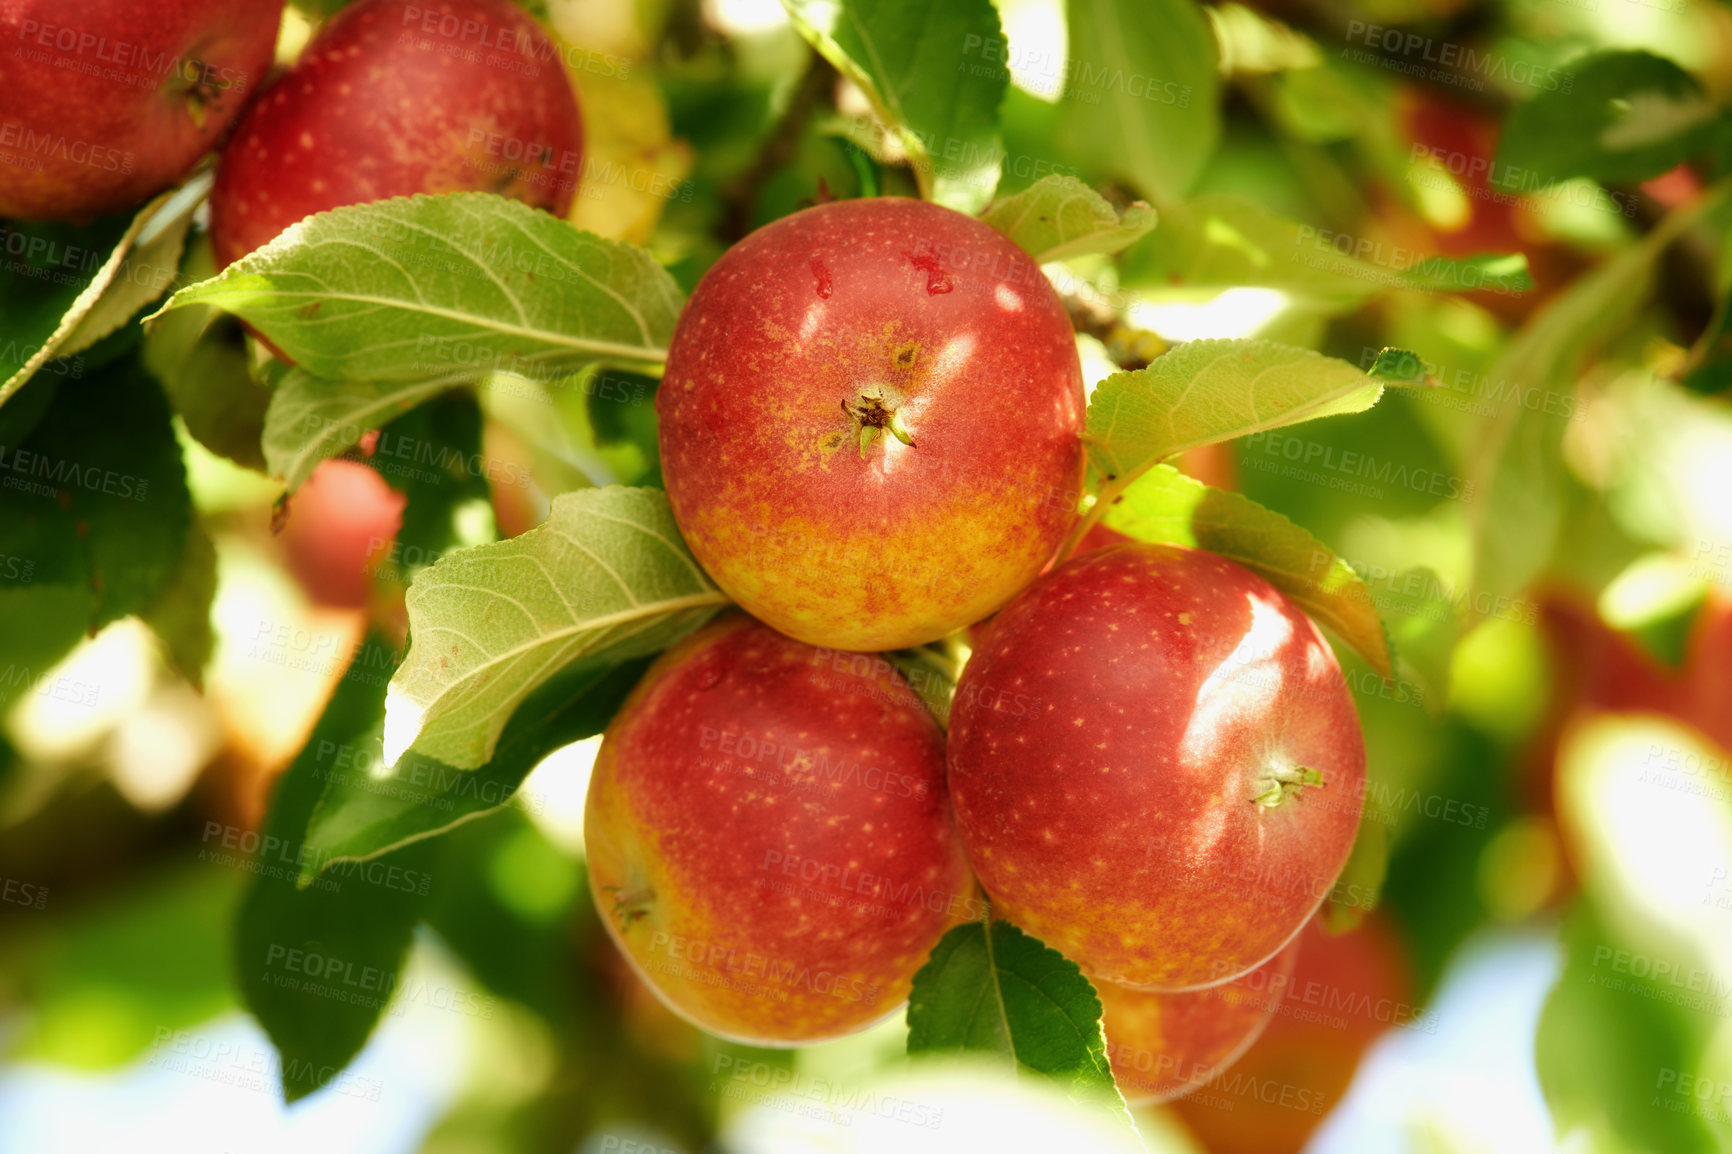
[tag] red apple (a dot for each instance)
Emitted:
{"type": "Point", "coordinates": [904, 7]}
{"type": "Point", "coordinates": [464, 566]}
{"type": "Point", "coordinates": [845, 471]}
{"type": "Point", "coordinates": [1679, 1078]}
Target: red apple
{"type": "Point", "coordinates": [1156, 766]}
{"type": "Point", "coordinates": [338, 522]}
{"type": "Point", "coordinates": [104, 103]}
{"type": "Point", "coordinates": [1162, 1046]}
{"type": "Point", "coordinates": [768, 835]}
{"type": "Point", "coordinates": [392, 99]}
{"type": "Point", "coordinates": [870, 422]}
{"type": "Point", "coordinates": [1345, 992]}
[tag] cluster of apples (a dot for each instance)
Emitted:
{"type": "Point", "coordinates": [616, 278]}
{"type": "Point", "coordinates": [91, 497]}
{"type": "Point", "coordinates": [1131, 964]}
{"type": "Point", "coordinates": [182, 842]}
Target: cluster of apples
{"type": "Point", "coordinates": [108, 102]}
{"type": "Point", "coordinates": [870, 432]}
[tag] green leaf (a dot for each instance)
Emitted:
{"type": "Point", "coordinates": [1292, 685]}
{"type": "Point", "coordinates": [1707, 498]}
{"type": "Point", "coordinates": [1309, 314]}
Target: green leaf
{"type": "Point", "coordinates": [1142, 93]}
{"type": "Point", "coordinates": [311, 419]}
{"type": "Point", "coordinates": [1626, 117]}
{"type": "Point", "coordinates": [606, 577]}
{"type": "Point", "coordinates": [180, 615]}
{"type": "Point", "coordinates": [1398, 367]}
{"type": "Point", "coordinates": [933, 73]}
{"type": "Point", "coordinates": [97, 495]}
{"type": "Point", "coordinates": [1167, 506]}
{"type": "Point", "coordinates": [1060, 216]}
{"type": "Point", "coordinates": [433, 456]}
{"type": "Point", "coordinates": [317, 966]}
{"type": "Point", "coordinates": [57, 274]}
{"type": "Point", "coordinates": [199, 356]}
{"type": "Point", "coordinates": [1215, 390]}
{"type": "Point", "coordinates": [425, 287]}
{"type": "Point", "coordinates": [364, 813]}
{"type": "Point", "coordinates": [147, 268]}
{"type": "Point", "coordinates": [1505, 273]}
{"type": "Point", "coordinates": [1222, 241]}
{"type": "Point", "coordinates": [1010, 995]}
{"type": "Point", "coordinates": [1357, 890]}
{"type": "Point", "coordinates": [1517, 463]}
{"type": "Point", "coordinates": [1606, 1036]}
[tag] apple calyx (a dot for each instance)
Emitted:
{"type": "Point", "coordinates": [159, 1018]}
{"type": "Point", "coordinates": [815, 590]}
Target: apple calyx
{"type": "Point", "coordinates": [200, 86]}
{"type": "Point", "coordinates": [875, 411]}
{"type": "Point", "coordinates": [630, 905]}
{"type": "Point", "coordinates": [1285, 782]}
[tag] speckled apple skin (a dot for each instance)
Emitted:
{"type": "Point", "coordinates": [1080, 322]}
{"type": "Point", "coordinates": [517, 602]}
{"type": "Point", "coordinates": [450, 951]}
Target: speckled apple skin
{"type": "Point", "coordinates": [1163, 1046]}
{"type": "Point", "coordinates": [377, 107]}
{"type": "Point", "coordinates": [780, 892]}
{"type": "Point", "coordinates": [94, 116]}
{"type": "Point", "coordinates": [1106, 742]}
{"type": "Point", "coordinates": [763, 464]}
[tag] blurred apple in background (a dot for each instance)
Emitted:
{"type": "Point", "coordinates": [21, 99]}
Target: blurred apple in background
{"type": "Point", "coordinates": [339, 522]}
{"type": "Point", "coordinates": [1346, 990]}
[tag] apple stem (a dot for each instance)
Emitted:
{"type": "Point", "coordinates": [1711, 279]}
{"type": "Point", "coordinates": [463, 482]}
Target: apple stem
{"type": "Point", "coordinates": [1281, 784]}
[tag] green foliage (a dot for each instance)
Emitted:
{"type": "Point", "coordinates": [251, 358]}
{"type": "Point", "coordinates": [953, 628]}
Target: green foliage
{"type": "Point", "coordinates": [1228, 241]}
{"type": "Point", "coordinates": [605, 578]}
{"type": "Point", "coordinates": [933, 77]}
{"type": "Point", "coordinates": [68, 286]}
{"type": "Point", "coordinates": [1167, 506]}
{"type": "Point", "coordinates": [363, 813]}
{"type": "Point", "coordinates": [311, 419]}
{"type": "Point", "coordinates": [1141, 96]}
{"type": "Point", "coordinates": [1626, 116]}
{"type": "Point", "coordinates": [1062, 217]}
{"type": "Point", "coordinates": [318, 966]}
{"type": "Point", "coordinates": [427, 286]}
{"type": "Point", "coordinates": [1000, 992]}
{"type": "Point", "coordinates": [199, 357]}
{"type": "Point", "coordinates": [96, 506]}
{"type": "Point", "coordinates": [1213, 390]}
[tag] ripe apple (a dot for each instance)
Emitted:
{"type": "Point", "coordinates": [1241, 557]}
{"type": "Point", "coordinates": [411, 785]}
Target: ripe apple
{"type": "Point", "coordinates": [337, 522]}
{"type": "Point", "coordinates": [104, 103]}
{"type": "Point", "coordinates": [768, 835]}
{"type": "Point", "coordinates": [1156, 766]}
{"type": "Point", "coordinates": [392, 99]}
{"type": "Point", "coordinates": [870, 422]}
{"type": "Point", "coordinates": [1162, 1046]}
{"type": "Point", "coordinates": [1345, 992]}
